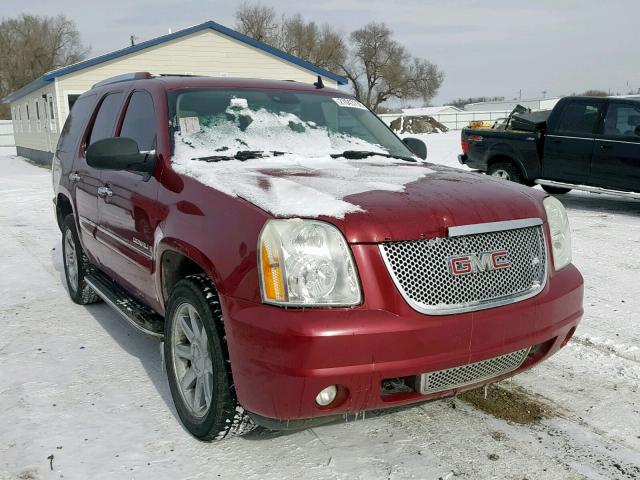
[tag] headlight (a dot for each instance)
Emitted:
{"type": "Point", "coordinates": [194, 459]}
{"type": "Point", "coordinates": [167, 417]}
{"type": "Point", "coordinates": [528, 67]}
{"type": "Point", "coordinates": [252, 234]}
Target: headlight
{"type": "Point", "coordinates": [560, 232]}
{"type": "Point", "coordinates": [306, 263]}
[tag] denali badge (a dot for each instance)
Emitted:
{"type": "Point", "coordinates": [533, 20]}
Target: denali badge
{"type": "Point", "coordinates": [483, 262]}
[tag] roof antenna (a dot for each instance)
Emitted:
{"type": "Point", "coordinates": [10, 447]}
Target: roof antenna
{"type": "Point", "coordinates": [319, 83]}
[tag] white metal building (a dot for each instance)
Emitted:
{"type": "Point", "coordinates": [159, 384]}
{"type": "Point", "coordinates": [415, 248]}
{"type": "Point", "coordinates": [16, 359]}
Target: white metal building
{"type": "Point", "coordinates": [430, 111]}
{"type": "Point", "coordinates": [39, 109]}
{"type": "Point", "coordinates": [533, 104]}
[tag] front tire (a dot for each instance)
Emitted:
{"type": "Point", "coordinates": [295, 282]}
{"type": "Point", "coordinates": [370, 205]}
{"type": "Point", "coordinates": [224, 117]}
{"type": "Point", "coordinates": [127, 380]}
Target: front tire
{"type": "Point", "coordinates": [76, 265]}
{"type": "Point", "coordinates": [505, 171]}
{"type": "Point", "coordinates": [197, 362]}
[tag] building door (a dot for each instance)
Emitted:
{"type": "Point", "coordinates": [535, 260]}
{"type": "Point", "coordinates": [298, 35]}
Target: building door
{"type": "Point", "coordinates": [568, 148]}
{"type": "Point", "coordinates": [616, 157]}
{"type": "Point", "coordinates": [129, 212]}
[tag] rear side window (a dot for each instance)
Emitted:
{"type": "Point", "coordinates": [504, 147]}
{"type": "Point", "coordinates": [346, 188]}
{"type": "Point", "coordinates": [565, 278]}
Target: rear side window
{"type": "Point", "coordinates": [105, 123]}
{"type": "Point", "coordinates": [76, 123]}
{"type": "Point", "coordinates": [579, 118]}
{"type": "Point", "coordinates": [139, 121]}
{"type": "Point", "coordinates": [623, 121]}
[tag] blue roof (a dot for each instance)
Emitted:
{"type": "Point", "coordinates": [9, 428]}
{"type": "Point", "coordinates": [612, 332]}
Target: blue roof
{"type": "Point", "coordinates": [50, 76]}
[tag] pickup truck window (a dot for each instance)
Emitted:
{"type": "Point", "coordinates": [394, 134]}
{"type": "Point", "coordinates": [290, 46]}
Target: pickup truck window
{"type": "Point", "coordinates": [227, 121]}
{"type": "Point", "coordinates": [622, 120]}
{"type": "Point", "coordinates": [139, 121]}
{"type": "Point", "coordinates": [579, 118]}
{"type": "Point", "coordinates": [105, 122]}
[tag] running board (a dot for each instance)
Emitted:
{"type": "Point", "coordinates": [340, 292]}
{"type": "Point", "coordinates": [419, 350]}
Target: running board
{"type": "Point", "coordinates": [587, 188]}
{"type": "Point", "coordinates": [138, 315]}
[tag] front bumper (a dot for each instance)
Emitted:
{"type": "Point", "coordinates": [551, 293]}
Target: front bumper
{"type": "Point", "coordinates": [281, 358]}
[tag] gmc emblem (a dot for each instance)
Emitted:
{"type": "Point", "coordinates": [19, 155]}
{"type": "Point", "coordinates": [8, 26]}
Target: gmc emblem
{"type": "Point", "coordinates": [483, 262]}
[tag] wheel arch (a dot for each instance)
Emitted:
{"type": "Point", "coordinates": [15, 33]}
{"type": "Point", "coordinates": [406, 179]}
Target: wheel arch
{"type": "Point", "coordinates": [64, 207]}
{"type": "Point", "coordinates": [177, 260]}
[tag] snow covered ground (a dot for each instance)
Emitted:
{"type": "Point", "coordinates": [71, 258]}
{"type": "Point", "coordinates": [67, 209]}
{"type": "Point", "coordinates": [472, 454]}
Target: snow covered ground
{"type": "Point", "coordinates": [84, 396]}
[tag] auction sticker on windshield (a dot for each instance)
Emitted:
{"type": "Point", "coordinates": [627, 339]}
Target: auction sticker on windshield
{"type": "Point", "coordinates": [349, 102]}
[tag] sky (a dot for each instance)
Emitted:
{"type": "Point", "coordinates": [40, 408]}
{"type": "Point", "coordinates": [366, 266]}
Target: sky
{"type": "Point", "coordinates": [485, 48]}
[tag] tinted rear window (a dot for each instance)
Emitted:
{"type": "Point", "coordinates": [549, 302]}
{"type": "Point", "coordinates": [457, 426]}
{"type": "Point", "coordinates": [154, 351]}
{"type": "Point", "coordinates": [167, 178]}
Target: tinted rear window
{"type": "Point", "coordinates": [105, 123]}
{"type": "Point", "coordinates": [75, 124]}
{"type": "Point", "coordinates": [139, 121]}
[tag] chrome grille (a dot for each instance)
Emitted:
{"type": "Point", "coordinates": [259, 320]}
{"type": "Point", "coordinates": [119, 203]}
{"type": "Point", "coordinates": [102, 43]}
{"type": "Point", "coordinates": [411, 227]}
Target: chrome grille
{"type": "Point", "coordinates": [420, 270]}
{"type": "Point", "coordinates": [450, 378]}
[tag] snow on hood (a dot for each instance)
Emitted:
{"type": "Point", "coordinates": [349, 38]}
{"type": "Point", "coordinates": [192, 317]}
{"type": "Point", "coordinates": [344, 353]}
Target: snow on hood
{"type": "Point", "coordinates": [309, 183]}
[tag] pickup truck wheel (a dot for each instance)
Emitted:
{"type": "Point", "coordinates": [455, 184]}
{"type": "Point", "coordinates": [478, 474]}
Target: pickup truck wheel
{"type": "Point", "coordinates": [506, 171]}
{"type": "Point", "coordinates": [76, 265]}
{"type": "Point", "coordinates": [555, 190]}
{"type": "Point", "coordinates": [197, 362]}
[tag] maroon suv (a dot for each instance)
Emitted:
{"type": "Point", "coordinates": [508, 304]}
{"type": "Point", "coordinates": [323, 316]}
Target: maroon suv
{"type": "Point", "coordinates": [300, 261]}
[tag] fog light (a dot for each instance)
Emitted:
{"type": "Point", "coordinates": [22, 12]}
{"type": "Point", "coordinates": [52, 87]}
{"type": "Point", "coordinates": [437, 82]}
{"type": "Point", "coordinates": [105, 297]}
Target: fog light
{"type": "Point", "coordinates": [326, 396]}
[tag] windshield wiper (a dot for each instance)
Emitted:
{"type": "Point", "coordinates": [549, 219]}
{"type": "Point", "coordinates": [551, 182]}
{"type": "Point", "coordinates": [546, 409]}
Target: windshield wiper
{"type": "Point", "coordinates": [241, 155]}
{"type": "Point", "coordinates": [360, 154]}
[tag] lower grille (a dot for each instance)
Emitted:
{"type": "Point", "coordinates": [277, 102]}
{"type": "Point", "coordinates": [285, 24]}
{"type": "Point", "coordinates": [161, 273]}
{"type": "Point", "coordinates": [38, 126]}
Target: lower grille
{"type": "Point", "coordinates": [455, 377]}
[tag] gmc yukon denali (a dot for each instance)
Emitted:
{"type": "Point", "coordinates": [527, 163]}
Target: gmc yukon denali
{"type": "Point", "coordinates": [300, 261]}
{"type": "Point", "coordinates": [584, 143]}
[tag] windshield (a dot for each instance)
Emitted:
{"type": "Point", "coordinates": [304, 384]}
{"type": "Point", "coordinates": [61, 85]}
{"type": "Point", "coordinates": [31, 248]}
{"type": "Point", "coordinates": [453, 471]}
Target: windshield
{"type": "Point", "coordinates": [224, 122]}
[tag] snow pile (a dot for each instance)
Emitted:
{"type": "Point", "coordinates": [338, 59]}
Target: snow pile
{"type": "Point", "coordinates": [307, 183]}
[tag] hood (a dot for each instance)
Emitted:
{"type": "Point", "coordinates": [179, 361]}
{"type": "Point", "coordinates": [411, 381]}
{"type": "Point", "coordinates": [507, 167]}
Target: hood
{"type": "Point", "coordinates": [431, 204]}
{"type": "Point", "coordinates": [370, 200]}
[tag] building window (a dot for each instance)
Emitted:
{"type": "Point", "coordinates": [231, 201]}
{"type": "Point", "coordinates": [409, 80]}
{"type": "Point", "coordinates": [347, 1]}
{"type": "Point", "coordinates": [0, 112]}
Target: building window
{"type": "Point", "coordinates": [19, 117]}
{"type": "Point", "coordinates": [52, 116]}
{"type": "Point", "coordinates": [28, 118]}
{"type": "Point", "coordinates": [38, 124]}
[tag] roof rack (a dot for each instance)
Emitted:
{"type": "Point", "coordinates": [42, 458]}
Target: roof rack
{"type": "Point", "coordinates": [125, 77]}
{"type": "Point", "coordinates": [177, 75]}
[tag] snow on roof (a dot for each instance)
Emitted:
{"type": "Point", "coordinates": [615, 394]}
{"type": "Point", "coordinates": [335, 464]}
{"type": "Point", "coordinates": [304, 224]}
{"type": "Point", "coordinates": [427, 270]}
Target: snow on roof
{"type": "Point", "coordinates": [429, 110]}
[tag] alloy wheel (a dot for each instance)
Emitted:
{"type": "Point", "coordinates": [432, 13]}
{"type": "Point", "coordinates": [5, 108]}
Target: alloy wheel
{"type": "Point", "coordinates": [191, 357]}
{"type": "Point", "coordinates": [71, 260]}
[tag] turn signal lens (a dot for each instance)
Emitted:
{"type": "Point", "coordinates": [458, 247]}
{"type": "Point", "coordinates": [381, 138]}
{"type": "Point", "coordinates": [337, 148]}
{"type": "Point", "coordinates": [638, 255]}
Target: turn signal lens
{"type": "Point", "coordinates": [271, 272]}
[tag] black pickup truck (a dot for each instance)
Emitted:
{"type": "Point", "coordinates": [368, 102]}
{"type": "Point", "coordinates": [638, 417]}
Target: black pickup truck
{"type": "Point", "coordinates": [584, 143]}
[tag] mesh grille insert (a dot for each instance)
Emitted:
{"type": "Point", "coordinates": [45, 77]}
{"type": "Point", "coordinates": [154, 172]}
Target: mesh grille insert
{"type": "Point", "coordinates": [421, 270]}
{"type": "Point", "coordinates": [441, 380]}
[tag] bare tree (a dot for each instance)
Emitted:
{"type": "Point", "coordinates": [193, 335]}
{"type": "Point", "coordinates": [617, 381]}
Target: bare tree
{"type": "Point", "coordinates": [320, 45]}
{"type": "Point", "coordinates": [31, 45]}
{"type": "Point", "coordinates": [381, 69]}
{"type": "Point", "coordinates": [257, 21]}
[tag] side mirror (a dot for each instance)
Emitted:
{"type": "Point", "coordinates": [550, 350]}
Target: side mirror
{"type": "Point", "coordinates": [120, 153]}
{"type": "Point", "coordinates": [417, 146]}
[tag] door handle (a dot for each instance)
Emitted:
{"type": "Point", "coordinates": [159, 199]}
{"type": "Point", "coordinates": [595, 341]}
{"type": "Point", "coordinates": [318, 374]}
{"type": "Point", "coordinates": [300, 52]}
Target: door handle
{"type": "Point", "coordinates": [74, 177]}
{"type": "Point", "coordinates": [105, 192]}
{"type": "Point", "coordinates": [606, 147]}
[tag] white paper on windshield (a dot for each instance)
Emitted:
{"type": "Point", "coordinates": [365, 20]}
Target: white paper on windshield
{"type": "Point", "coordinates": [349, 103]}
{"type": "Point", "coordinates": [189, 125]}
